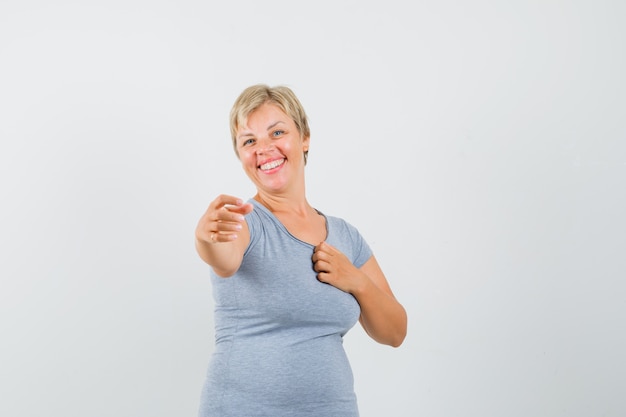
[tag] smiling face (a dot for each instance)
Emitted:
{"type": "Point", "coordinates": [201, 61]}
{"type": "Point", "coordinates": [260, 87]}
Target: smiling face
{"type": "Point", "coordinates": [271, 150]}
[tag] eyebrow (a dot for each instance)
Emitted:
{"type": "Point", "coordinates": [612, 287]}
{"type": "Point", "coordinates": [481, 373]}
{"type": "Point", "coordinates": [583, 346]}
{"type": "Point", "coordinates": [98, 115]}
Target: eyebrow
{"type": "Point", "coordinates": [274, 124]}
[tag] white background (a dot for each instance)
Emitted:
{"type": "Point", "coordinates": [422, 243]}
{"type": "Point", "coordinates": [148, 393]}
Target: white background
{"type": "Point", "coordinates": [480, 147]}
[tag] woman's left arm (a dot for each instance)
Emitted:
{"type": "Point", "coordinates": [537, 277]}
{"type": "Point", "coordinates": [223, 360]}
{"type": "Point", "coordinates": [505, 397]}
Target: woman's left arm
{"type": "Point", "coordinates": [382, 316]}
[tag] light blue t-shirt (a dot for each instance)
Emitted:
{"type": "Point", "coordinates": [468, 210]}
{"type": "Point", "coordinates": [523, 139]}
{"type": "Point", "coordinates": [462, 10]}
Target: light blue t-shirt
{"type": "Point", "coordinates": [279, 331]}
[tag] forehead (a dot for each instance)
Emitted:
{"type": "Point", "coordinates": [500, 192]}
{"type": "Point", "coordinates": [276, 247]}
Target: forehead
{"type": "Point", "coordinates": [264, 116]}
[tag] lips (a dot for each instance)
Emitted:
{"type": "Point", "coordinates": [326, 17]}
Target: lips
{"type": "Point", "coordinates": [272, 164]}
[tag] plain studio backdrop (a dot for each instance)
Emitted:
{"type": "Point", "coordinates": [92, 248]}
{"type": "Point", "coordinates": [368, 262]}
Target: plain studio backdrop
{"type": "Point", "coordinates": [480, 148]}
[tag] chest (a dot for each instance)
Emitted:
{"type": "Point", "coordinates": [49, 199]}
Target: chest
{"type": "Point", "coordinates": [311, 230]}
{"type": "Point", "coordinates": [277, 288]}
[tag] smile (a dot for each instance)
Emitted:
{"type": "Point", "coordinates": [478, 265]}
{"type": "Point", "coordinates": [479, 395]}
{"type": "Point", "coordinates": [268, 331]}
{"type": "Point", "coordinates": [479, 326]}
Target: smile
{"type": "Point", "coordinates": [271, 165]}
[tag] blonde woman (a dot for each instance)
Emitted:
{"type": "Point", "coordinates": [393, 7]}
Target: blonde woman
{"type": "Point", "coordinates": [288, 280]}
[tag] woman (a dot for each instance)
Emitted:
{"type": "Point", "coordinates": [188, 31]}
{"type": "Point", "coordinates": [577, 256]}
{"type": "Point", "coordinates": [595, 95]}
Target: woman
{"type": "Point", "coordinates": [288, 281]}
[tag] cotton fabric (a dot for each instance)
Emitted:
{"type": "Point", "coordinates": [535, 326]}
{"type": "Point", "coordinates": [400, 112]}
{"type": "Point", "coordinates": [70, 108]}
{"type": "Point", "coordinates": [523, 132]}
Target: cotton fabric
{"type": "Point", "coordinates": [279, 331]}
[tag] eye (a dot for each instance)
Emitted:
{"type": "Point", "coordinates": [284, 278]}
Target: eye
{"type": "Point", "coordinates": [278, 133]}
{"type": "Point", "coordinates": [247, 142]}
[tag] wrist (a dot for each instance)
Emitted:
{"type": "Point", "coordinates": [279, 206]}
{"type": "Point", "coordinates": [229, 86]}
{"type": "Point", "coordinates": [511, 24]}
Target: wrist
{"type": "Point", "coordinates": [362, 285]}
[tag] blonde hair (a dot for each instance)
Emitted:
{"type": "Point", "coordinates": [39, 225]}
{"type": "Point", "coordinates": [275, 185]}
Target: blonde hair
{"type": "Point", "coordinates": [255, 96]}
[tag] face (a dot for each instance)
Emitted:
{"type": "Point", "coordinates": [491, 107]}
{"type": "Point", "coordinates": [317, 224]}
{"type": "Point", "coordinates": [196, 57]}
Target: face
{"type": "Point", "coordinates": [271, 149]}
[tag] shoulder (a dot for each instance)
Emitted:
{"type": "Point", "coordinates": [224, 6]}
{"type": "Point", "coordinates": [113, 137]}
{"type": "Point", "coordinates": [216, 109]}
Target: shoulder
{"type": "Point", "coordinates": [347, 238]}
{"type": "Point", "coordinates": [262, 224]}
{"type": "Point", "coordinates": [258, 216]}
{"type": "Point", "coordinates": [340, 225]}
{"type": "Point", "coordinates": [257, 221]}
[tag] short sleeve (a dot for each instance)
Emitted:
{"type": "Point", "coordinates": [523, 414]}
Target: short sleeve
{"type": "Point", "coordinates": [349, 240]}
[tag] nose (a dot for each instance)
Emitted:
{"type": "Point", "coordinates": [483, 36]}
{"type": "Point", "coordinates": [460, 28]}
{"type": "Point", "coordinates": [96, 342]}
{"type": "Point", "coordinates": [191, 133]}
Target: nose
{"type": "Point", "coordinates": [264, 145]}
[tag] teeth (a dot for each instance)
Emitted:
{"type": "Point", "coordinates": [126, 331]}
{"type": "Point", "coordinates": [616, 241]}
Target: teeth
{"type": "Point", "coordinates": [272, 164]}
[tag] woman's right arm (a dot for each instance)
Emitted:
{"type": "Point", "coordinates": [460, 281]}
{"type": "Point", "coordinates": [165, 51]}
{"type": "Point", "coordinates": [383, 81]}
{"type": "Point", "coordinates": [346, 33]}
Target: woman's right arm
{"type": "Point", "coordinates": [222, 234]}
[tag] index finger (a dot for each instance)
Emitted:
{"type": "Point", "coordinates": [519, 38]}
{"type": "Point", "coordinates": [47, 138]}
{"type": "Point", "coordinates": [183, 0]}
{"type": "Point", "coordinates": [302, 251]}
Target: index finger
{"type": "Point", "coordinates": [244, 208]}
{"type": "Point", "coordinates": [224, 200]}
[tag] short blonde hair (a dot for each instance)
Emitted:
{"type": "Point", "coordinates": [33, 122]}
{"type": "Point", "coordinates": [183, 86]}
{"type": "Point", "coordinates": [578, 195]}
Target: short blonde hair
{"type": "Point", "coordinates": [255, 96]}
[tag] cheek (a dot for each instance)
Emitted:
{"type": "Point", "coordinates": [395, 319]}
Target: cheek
{"type": "Point", "coordinates": [245, 156]}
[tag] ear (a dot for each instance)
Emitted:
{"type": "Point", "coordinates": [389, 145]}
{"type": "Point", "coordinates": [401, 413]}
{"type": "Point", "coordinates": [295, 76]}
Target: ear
{"type": "Point", "coordinates": [305, 148]}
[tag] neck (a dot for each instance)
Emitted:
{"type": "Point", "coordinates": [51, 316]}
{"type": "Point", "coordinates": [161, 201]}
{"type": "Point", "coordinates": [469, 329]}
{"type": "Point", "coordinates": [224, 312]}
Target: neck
{"type": "Point", "coordinates": [284, 204]}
